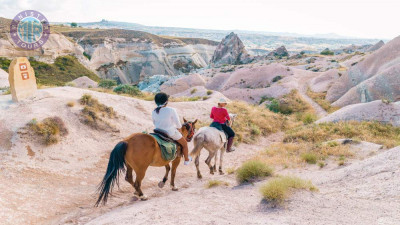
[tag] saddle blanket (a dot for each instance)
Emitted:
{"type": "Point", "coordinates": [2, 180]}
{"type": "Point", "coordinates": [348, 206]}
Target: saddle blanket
{"type": "Point", "coordinates": [168, 149]}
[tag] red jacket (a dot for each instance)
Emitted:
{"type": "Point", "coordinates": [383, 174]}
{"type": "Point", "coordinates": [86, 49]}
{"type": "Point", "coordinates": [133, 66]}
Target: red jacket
{"type": "Point", "coordinates": [219, 115]}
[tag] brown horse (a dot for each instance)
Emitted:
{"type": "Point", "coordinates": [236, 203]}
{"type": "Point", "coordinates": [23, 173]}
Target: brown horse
{"type": "Point", "coordinates": [137, 152]}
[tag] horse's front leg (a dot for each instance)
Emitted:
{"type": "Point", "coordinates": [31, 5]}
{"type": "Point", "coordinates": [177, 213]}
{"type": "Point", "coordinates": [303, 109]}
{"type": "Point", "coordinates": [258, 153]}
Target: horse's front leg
{"type": "Point", "coordinates": [175, 165]}
{"type": "Point", "coordinates": [162, 183]}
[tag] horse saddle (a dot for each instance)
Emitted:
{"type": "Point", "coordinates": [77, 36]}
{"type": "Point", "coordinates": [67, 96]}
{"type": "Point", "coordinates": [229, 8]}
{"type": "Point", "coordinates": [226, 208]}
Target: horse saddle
{"type": "Point", "coordinates": [162, 135]}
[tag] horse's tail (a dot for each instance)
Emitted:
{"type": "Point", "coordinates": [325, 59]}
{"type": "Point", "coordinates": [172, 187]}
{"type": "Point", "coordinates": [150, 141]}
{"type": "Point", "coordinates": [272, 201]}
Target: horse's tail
{"type": "Point", "coordinates": [115, 167]}
{"type": "Point", "coordinates": [198, 145]}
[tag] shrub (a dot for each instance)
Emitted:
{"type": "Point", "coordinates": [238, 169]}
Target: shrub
{"type": "Point", "coordinates": [252, 118]}
{"type": "Point", "coordinates": [275, 79]}
{"type": "Point", "coordinates": [63, 70]}
{"type": "Point", "coordinates": [309, 158]}
{"type": "Point", "coordinates": [193, 91]}
{"type": "Point", "coordinates": [274, 106]}
{"type": "Point", "coordinates": [127, 89]}
{"type": "Point", "coordinates": [253, 170]}
{"type": "Point", "coordinates": [107, 83]}
{"type": "Point", "coordinates": [73, 24]}
{"type": "Point", "coordinates": [279, 189]}
{"type": "Point", "coordinates": [327, 52]}
{"type": "Point", "coordinates": [321, 164]}
{"type": "Point", "coordinates": [205, 98]}
{"type": "Point", "coordinates": [209, 92]}
{"type": "Point", "coordinates": [94, 113]}
{"type": "Point", "coordinates": [289, 104]}
{"type": "Point", "coordinates": [49, 131]}
{"type": "Point", "coordinates": [215, 183]}
{"type": "Point", "coordinates": [309, 118]}
{"type": "Point", "coordinates": [87, 55]}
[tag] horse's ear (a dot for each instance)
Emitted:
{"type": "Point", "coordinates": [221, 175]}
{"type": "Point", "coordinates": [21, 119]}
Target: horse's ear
{"type": "Point", "coordinates": [184, 120]}
{"type": "Point", "coordinates": [195, 121]}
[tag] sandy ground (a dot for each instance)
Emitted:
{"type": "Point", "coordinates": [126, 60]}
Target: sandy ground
{"type": "Point", "coordinates": [57, 184]}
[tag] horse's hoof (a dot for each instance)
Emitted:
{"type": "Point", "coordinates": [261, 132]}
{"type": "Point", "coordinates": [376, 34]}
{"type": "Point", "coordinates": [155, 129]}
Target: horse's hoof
{"type": "Point", "coordinates": [136, 193]}
{"type": "Point", "coordinates": [143, 198]}
{"type": "Point", "coordinates": [161, 184]}
{"type": "Point", "coordinates": [221, 173]}
{"type": "Point", "coordinates": [199, 176]}
{"type": "Point", "coordinates": [175, 189]}
{"type": "Point", "coordinates": [212, 172]}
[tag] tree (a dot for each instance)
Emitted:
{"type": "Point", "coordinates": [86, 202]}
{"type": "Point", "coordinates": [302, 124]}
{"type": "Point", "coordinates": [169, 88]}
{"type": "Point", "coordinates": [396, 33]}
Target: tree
{"type": "Point", "coordinates": [73, 24]}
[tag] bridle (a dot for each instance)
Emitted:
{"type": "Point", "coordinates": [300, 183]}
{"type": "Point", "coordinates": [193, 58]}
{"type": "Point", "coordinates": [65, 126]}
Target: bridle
{"type": "Point", "coordinates": [191, 130]}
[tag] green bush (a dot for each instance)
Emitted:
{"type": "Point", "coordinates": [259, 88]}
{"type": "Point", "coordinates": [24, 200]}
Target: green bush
{"type": "Point", "coordinates": [308, 118]}
{"type": "Point", "coordinates": [252, 170]}
{"type": "Point", "coordinates": [107, 83]}
{"type": "Point", "coordinates": [127, 89]}
{"type": "Point", "coordinates": [87, 55]}
{"type": "Point", "coordinates": [73, 24]}
{"type": "Point", "coordinates": [327, 52]}
{"type": "Point", "coordinates": [274, 106]}
{"type": "Point", "coordinates": [209, 92]}
{"type": "Point", "coordinates": [309, 158]}
{"type": "Point", "coordinates": [277, 78]}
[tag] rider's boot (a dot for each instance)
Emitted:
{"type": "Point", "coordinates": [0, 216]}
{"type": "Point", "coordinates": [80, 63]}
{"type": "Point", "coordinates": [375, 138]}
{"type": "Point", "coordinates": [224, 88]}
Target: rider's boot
{"type": "Point", "coordinates": [230, 148]}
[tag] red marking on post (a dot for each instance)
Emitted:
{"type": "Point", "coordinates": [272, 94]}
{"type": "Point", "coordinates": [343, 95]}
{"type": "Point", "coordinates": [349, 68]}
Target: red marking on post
{"type": "Point", "coordinates": [25, 75]}
{"type": "Point", "coordinates": [23, 67]}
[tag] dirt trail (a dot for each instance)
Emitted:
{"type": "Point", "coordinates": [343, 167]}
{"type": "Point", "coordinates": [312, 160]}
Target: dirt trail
{"type": "Point", "coordinates": [160, 200]}
{"type": "Point", "coordinates": [302, 78]}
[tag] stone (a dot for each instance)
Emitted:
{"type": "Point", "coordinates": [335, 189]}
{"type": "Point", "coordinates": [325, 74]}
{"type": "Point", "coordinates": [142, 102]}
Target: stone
{"type": "Point", "coordinates": [230, 50]}
{"type": "Point", "coordinates": [22, 79]}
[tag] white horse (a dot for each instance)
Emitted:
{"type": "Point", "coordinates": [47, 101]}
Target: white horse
{"type": "Point", "coordinates": [212, 140]}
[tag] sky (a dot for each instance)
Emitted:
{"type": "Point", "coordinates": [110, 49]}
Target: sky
{"type": "Point", "coordinates": [354, 18]}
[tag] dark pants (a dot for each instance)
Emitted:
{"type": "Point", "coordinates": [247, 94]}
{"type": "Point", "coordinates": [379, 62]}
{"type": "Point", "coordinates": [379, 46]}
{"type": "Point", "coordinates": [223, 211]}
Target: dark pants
{"type": "Point", "coordinates": [223, 127]}
{"type": "Point", "coordinates": [228, 130]}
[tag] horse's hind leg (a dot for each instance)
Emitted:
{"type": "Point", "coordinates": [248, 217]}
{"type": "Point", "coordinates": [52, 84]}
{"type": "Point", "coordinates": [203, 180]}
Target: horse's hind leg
{"type": "Point", "coordinates": [175, 165]}
{"type": "Point", "coordinates": [196, 162]}
{"type": "Point", "coordinates": [208, 162]}
{"type": "Point", "coordinates": [140, 173]}
{"type": "Point", "coordinates": [215, 161]}
{"type": "Point", "coordinates": [220, 161]}
{"type": "Point", "coordinates": [162, 183]}
{"type": "Point", "coordinates": [128, 176]}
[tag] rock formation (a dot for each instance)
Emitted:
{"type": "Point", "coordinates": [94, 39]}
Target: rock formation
{"type": "Point", "coordinates": [279, 52]}
{"type": "Point", "coordinates": [371, 111]}
{"type": "Point", "coordinates": [376, 46]}
{"type": "Point", "coordinates": [230, 51]}
{"type": "Point", "coordinates": [375, 77]}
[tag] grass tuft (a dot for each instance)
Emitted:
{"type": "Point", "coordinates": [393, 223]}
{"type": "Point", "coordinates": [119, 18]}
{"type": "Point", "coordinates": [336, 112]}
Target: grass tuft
{"type": "Point", "coordinates": [253, 170]}
{"type": "Point", "coordinates": [309, 158]}
{"type": "Point", "coordinates": [215, 183]}
{"type": "Point", "coordinates": [279, 189]}
{"type": "Point", "coordinates": [49, 131]}
{"type": "Point", "coordinates": [71, 104]}
{"type": "Point", "coordinates": [94, 113]}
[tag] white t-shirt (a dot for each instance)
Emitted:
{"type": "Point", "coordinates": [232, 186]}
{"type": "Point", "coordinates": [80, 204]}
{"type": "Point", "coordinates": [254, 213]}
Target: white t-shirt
{"type": "Point", "coordinates": [167, 120]}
